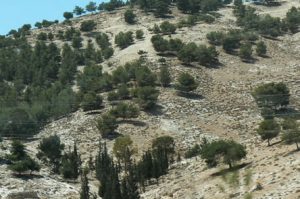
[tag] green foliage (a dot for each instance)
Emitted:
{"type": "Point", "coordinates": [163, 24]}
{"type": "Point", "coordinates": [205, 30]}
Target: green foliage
{"type": "Point", "coordinates": [272, 95]}
{"type": "Point", "coordinates": [107, 125]}
{"type": "Point", "coordinates": [87, 26]}
{"type": "Point", "coordinates": [107, 53]}
{"type": "Point", "coordinates": [159, 43]}
{"type": "Point", "coordinates": [68, 15]}
{"type": "Point", "coordinates": [124, 40]}
{"type": "Point", "coordinates": [50, 150]}
{"type": "Point", "coordinates": [129, 17]}
{"type": "Point", "coordinates": [229, 150]}
{"type": "Point", "coordinates": [245, 52]}
{"type": "Point", "coordinates": [231, 41]}
{"type": "Point", "coordinates": [186, 83]}
{"type": "Point", "coordinates": [91, 7]}
{"type": "Point", "coordinates": [293, 19]}
{"type": "Point", "coordinates": [139, 34]}
{"type": "Point", "coordinates": [291, 132]}
{"type": "Point", "coordinates": [70, 164]}
{"type": "Point", "coordinates": [188, 53]}
{"type": "Point", "coordinates": [123, 92]}
{"type": "Point", "coordinates": [42, 36]}
{"type": "Point", "coordinates": [164, 143]}
{"type": "Point", "coordinates": [91, 101]}
{"type": "Point", "coordinates": [78, 10]}
{"type": "Point", "coordinates": [102, 40]}
{"type": "Point", "coordinates": [144, 76]}
{"type": "Point", "coordinates": [215, 37]}
{"type": "Point", "coordinates": [261, 48]}
{"type": "Point", "coordinates": [111, 5]}
{"type": "Point", "coordinates": [120, 76]}
{"type": "Point", "coordinates": [124, 110]}
{"type": "Point", "coordinates": [112, 96]}
{"type": "Point", "coordinates": [147, 97]}
{"type": "Point", "coordinates": [123, 150]}
{"type": "Point", "coordinates": [165, 76]}
{"type": "Point", "coordinates": [268, 129]}
{"type": "Point", "coordinates": [85, 190]}
{"type": "Point", "coordinates": [167, 28]}
{"type": "Point", "coordinates": [21, 162]}
{"type": "Point", "coordinates": [193, 152]}
{"type": "Point", "coordinates": [77, 42]}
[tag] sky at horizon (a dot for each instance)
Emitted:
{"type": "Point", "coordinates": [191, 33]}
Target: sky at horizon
{"type": "Point", "coordinates": [15, 13]}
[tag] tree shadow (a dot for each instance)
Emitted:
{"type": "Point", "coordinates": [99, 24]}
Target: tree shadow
{"type": "Point", "coordinates": [234, 168]}
{"type": "Point", "coordinates": [157, 110]}
{"type": "Point", "coordinates": [133, 122]}
{"type": "Point", "coordinates": [292, 152]}
{"type": "Point", "coordinates": [251, 60]}
{"type": "Point", "coordinates": [192, 96]}
{"type": "Point", "coordinates": [27, 176]}
{"type": "Point", "coordinates": [274, 143]}
{"type": "Point", "coordinates": [288, 112]}
{"type": "Point", "coordinates": [112, 136]}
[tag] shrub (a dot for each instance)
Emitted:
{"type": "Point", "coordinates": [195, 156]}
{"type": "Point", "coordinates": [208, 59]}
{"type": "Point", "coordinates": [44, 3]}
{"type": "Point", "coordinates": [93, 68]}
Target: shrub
{"type": "Point", "coordinates": [164, 76]}
{"type": "Point", "coordinates": [261, 48]}
{"type": "Point", "coordinates": [230, 151]}
{"type": "Point", "coordinates": [123, 91]}
{"type": "Point", "coordinates": [91, 101]}
{"type": "Point", "coordinates": [147, 97]}
{"type": "Point", "coordinates": [139, 34]}
{"type": "Point", "coordinates": [102, 40]}
{"type": "Point", "coordinates": [87, 26]}
{"type": "Point", "coordinates": [215, 37]}
{"type": "Point", "coordinates": [268, 129]}
{"type": "Point", "coordinates": [186, 83]}
{"type": "Point", "coordinates": [129, 16]}
{"type": "Point", "coordinates": [159, 43]}
{"type": "Point", "coordinates": [107, 125]}
{"type": "Point", "coordinates": [124, 110]}
{"type": "Point", "coordinates": [272, 95]}
{"type": "Point", "coordinates": [68, 15]}
{"type": "Point", "coordinates": [124, 40]}
{"type": "Point", "coordinates": [107, 53]}
{"type": "Point", "coordinates": [188, 53]}
{"type": "Point", "coordinates": [245, 52]}
{"type": "Point", "coordinates": [112, 96]}
{"type": "Point", "coordinates": [167, 28]}
{"type": "Point", "coordinates": [42, 36]}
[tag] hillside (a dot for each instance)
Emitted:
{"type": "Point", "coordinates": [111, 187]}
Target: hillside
{"type": "Point", "coordinates": [222, 108]}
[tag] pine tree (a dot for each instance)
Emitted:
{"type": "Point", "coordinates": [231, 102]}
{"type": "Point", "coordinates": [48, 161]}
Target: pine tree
{"type": "Point", "coordinates": [164, 76]}
{"type": "Point", "coordinates": [84, 192]}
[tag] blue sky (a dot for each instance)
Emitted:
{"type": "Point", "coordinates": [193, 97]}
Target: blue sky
{"type": "Point", "coordinates": [15, 13]}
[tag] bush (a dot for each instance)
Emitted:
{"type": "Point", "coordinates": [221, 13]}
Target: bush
{"type": "Point", "coordinates": [207, 55]}
{"type": "Point", "coordinates": [167, 28]}
{"type": "Point", "coordinates": [159, 43]}
{"type": "Point", "coordinates": [124, 40]}
{"type": "Point", "coordinates": [68, 15]}
{"type": "Point", "coordinates": [42, 36]}
{"type": "Point", "coordinates": [107, 125]}
{"type": "Point", "coordinates": [123, 92]}
{"type": "Point", "coordinates": [261, 48]}
{"type": "Point", "coordinates": [272, 95]}
{"type": "Point", "coordinates": [245, 52]}
{"type": "Point", "coordinates": [102, 40]}
{"type": "Point", "coordinates": [107, 53]}
{"type": "Point", "coordinates": [231, 42]}
{"type": "Point", "coordinates": [87, 26]}
{"type": "Point", "coordinates": [139, 34]}
{"type": "Point", "coordinates": [147, 97]}
{"type": "Point", "coordinates": [164, 76]}
{"type": "Point", "coordinates": [129, 17]}
{"type": "Point", "coordinates": [112, 96]}
{"type": "Point", "coordinates": [91, 101]}
{"type": "Point", "coordinates": [144, 76]}
{"type": "Point", "coordinates": [268, 129]}
{"type": "Point", "coordinates": [188, 53]}
{"type": "Point", "coordinates": [186, 83]}
{"type": "Point", "coordinates": [50, 150]}
{"type": "Point", "coordinates": [215, 37]}
{"type": "Point", "coordinates": [124, 110]}
{"type": "Point", "coordinates": [193, 152]}
{"type": "Point", "coordinates": [230, 151]}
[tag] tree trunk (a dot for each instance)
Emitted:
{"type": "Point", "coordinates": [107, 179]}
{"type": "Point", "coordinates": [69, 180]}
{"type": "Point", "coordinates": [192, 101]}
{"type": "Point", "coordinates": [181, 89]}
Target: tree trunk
{"type": "Point", "coordinates": [297, 146]}
{"type": "Point", "coordinates": [230, 165]}
{"type": "Point", "coordinates": [269, 142]}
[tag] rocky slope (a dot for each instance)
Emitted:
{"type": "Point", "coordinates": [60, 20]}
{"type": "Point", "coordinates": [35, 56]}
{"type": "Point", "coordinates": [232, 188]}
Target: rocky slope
{"type": "Point", "coordinates": [224, 110]}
